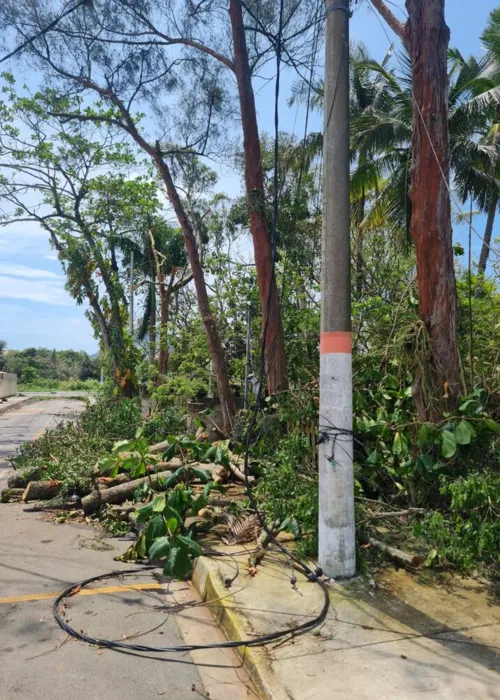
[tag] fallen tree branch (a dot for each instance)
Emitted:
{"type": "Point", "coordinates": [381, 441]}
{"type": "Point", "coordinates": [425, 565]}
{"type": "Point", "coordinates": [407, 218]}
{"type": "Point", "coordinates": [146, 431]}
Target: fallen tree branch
{"type": "Point", "coordinates": [392, 514]}
{"type": "Point", "coordinates": [404, 559]}
{"type": "Point", "coordinates": [118, 494]}
{"type": "Point", "coordinates": [41, 490]}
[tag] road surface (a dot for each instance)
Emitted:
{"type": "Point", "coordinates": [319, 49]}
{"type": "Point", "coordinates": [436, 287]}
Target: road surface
{"type": "Point", "coordinates": [39, 557]}
{"type": "Point", "coordinates": [28, 422]}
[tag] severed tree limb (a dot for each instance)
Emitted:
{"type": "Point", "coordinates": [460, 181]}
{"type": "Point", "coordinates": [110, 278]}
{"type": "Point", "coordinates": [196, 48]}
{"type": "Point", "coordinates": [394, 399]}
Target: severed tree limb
{"type": "Point", "coordinates": [41, 490]}
{"type": "Point", "coordinates": [403, 559]}
{"type": "Point", "coordinates": [119, 494]}
{"type": "Point", "coordinates": [394, 23]}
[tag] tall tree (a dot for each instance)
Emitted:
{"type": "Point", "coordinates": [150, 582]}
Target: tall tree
{"type": "Point", "coordinates": [121, 77]}
{"type": "Point", "coordinates": [426, 36]}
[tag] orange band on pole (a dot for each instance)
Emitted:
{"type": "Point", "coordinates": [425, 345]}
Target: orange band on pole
{"type": "Point", "coordinates": [335, 341]}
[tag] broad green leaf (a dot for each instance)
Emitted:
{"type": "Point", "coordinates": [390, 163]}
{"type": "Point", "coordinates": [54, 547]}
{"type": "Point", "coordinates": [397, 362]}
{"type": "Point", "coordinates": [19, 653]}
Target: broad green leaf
{"type": "Point", "coordinates": [491, 425]}
{"type": "Point", "coordinates": [160, 547]}
{"type": "Point", "coordinates": [464, 433]}
{"type": "Point", "coordinates": [156, 528]}
{"type": "Point", "coordinates": [218, 455]}
{"type": "Point", "coordinates": [178, 564]}
{"type": "Point", "coordinates": [144, 513]}
{"type": "Point", "coordinates": [400, 444]}
{"type": "Point", "coordinates": [122, 446]}
{"type": "Point", "coordinates": [448, 444]}
{"type": "Point", "coordinates": [373, 458]}
{"type": "Point", "coordinates": [159, 502]}
{"type": "Point", "coordinates": [427, 462]}
{"type": "Point", "coordinates": [190, 545]}
{"type": "Point", "coordinates": [202, 474]}
{"type": "Point", "coordinates": [169, 452]}
{"type": "Point", "coordinates": [209, 454]}
{"type": "Point", "coordinates": [427, 435]}
{"type": "Point", "coordinates": [172, 525]}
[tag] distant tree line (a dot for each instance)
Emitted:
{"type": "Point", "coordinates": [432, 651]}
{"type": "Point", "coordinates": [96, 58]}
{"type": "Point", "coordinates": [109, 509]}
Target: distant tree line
{"type": "Point", "coordinates": [42, 363]}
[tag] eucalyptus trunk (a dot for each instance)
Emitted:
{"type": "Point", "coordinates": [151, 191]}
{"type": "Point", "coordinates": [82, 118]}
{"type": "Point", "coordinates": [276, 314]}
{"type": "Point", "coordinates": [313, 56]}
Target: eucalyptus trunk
{"type": "Point", "coordinates": [272, 325]}
{"type": "Point", "coordinates": [427, 37]}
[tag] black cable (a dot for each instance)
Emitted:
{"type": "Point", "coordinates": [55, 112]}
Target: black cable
{"type": "Point", "coordinates": [115, 644]}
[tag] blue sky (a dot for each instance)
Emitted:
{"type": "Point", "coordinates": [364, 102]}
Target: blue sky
{"type": "Point", "coordinates": [35, 310]}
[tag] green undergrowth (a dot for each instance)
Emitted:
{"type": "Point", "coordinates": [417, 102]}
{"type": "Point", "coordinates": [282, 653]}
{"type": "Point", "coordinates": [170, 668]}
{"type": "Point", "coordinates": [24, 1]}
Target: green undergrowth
{"type": "Point", "coordinates": [90, 385]}
{"type": "Point", "coordinates": [451, 469]}
{"type": "Point", "coordinates": [70, 451]}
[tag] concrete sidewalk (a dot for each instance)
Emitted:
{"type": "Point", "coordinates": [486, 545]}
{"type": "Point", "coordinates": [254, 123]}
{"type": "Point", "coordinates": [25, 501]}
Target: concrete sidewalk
{"type": "Point", "coordinates": [401, 637]}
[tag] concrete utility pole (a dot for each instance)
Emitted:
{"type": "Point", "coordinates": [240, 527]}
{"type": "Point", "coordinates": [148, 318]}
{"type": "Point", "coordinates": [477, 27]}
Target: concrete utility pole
{"type": "Point", "coordinates": [131, 315]}
{"type": "Point", "coordinates": [336, 482]}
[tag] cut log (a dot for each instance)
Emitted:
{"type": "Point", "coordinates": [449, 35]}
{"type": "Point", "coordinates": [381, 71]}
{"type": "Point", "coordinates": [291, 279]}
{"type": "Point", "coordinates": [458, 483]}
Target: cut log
{"type": "Point", "coordinates": [21, 479]}
{"type": "Point", "coordinates": [41, 490]}
{"type": "Point", "coordinates": [403, 559]}
{"type": "Point", "coordinates": [105, 482]}
{"type": "Point", "coordinates": [118, 494]}
{"type": "Point", "coordinates": [11, 495]}
{"type": "Point", "coordinates": [159, 447]}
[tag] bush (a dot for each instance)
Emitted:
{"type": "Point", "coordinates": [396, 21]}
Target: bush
{"type": "Point", "coordinates": [71, 450]}
{"type": "Point", "coordinates": [288, 492]}
{"type": "Point", "coordinates": [467, 533]}
{"type": "Point", "coordinates": [168, 421]}
{"type": "Point", "coordinates": [112, 418]}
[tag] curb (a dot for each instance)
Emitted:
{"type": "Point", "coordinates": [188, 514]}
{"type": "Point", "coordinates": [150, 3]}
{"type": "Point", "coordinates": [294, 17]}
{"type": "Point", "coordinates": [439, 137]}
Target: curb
{"type": "Point", "coordinates": [18, 404]}
{"type": "Point", "coordinates": [208, 581]}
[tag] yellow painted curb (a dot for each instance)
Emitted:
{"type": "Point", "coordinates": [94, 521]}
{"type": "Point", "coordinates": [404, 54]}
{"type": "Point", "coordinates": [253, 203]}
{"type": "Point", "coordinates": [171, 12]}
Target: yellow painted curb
{"type": "Point", "coordinates": [208, 581]}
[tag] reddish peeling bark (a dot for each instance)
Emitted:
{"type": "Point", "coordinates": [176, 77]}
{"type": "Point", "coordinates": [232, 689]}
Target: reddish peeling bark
{"type": "Point", "coordinates": [427, 38]}
{"type": "Point", "coordinates": [254, 182]}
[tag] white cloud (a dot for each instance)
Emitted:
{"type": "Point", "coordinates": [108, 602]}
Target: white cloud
{"type": "Point", "coordinates": [51, 256]}
{"type": "Point", "coordinates": [28, 272]}
{"type": "Point", "coordinates": [44, 291]}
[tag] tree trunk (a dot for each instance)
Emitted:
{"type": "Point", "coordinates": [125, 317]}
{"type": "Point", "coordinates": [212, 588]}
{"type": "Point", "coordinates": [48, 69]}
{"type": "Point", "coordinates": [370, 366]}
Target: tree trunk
{"type": "Point", "coordinates": [41, 490]}
{"type": "Point", "coordinates": [485, 248]}
{"type": "Point", "coordinates": [427, 36]}
{"type": "Point", "coordinates": [360, 215]}
{"type": "Point", "coordinates": [214, 342]}
{"type": "Point", "coordinates": [119, 494]}
{"type": "Point", "coordinates": [152, 325]}
{"type": "Point", "coordinates": [254, 181]}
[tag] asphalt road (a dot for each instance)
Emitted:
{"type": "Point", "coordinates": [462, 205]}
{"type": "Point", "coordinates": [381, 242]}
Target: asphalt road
{"type": "Point", "coordinates": [28, 422]}
{"type": "Point", "coordinates": [39, 557]}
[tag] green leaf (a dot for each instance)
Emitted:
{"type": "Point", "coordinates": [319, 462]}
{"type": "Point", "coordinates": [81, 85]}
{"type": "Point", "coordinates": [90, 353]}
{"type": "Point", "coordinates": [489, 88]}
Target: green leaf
{"type": "Point", "coordinates": [209, 454]}
{"type": "Point", "coordinates": [400, 444]}
{"type": "Point", "coordinates": [491, 425]}
{"type": "Point", "coordinates": [448, 444]}
{"type": "Point", "coordinates": [144, 513]}
{"type": "Point", "coordinates": [159, 502]}
{"type": "Point", "coordinates": [464, 433]}
{"type": "Point", "coordinates": [218, 455]}
{"type": "Point", "coordinates": [192, 547]}
{"type": "Point", "coordinates": [156, 528]}
{"type": "Point", "coordinates": [427, 435]}
{"type": "Point", "coordinates": [122, 446]}
{"type": "Point", "coordinates": [202, 474]}
{"type": "Point", "coordinates": [160, 547]}
{"type": "Point", "coordinates": [169, 452]}
{"type": "Point", "coordinates": [172, 525]}
{"type": "Point", "coordinates": [178, 564]}
{"type": "Point", "coordinates": [373, 458]}
{"type": "Point", "coordinates": [427, 462]}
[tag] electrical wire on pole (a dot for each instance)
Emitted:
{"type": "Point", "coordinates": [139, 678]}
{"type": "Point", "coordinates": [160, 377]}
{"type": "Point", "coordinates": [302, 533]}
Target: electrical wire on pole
{"type": "Point", "coordinates": [336, 530]}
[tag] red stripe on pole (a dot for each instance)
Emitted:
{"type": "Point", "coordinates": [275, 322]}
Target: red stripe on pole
{"type": "Point", "coordinates": [335, 341]}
